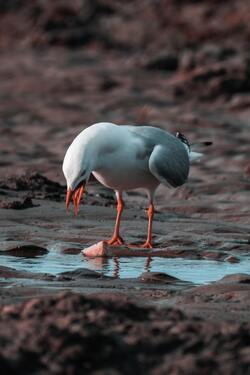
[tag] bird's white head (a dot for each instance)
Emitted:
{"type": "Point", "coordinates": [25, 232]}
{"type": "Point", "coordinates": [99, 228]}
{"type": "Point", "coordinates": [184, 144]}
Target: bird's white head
{"type": "Point", "coordinates": [77, 167]}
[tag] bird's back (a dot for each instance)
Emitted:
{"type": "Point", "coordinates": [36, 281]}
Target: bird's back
{"type": "Point", "coordinates": [169, 160]}
{"type": "Point", "coordinates": [153, 136]}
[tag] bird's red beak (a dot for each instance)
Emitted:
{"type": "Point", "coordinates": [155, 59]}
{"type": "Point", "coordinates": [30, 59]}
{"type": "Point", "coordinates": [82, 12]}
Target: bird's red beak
{"type": "Point", "coordinates": [76, 196]}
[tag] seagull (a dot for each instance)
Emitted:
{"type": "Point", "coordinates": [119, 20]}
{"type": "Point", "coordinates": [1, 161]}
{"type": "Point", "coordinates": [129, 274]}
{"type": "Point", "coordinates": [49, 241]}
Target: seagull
{"type": "Point", "coordinates": [127, 157]}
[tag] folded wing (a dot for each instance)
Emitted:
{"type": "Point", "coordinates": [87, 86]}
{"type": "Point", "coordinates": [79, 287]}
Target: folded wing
{"type": "Point", "coordinates": [170, 165]}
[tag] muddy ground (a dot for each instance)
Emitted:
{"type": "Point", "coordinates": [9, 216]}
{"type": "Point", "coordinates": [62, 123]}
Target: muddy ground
{"type": "Point", "coordinates": [66, 66]}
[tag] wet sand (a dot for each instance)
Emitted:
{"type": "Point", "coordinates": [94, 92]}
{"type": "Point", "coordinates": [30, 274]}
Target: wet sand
{"type": "Point", "coordinates": [182, 76]}
{"type": "Point", "coordinates": [203, 318]}
{"type": "Point", "coordinates": [33, 232]}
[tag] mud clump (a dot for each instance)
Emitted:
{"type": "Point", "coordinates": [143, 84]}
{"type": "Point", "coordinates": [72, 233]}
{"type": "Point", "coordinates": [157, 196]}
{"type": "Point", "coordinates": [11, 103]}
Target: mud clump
{"type": "Point", "coordinates": [57, 23]}
{"type": "Point", "coordinates": [18, 205]}
{"type": "Point", "coordinates": [164, 62]}
{"type": "Point", "coordinates": [35, 183]}
{"type": "Point", "coordinates": [21, 248]}
{"type": "Point", "coordinates": [31, 182]}
{"type": "Point", "coordinates": [117, 337]}
{"type": "Point", "coordinates": [158, 277]}
{"type": "Point", "coordinates": [220, 79]}
{"type": "Point", "coordinates": [123, 25]}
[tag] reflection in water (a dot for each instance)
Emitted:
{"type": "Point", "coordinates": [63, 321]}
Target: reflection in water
{"type": "Point", "coordinates": [97, 263]}
{"type": "Point", "coordinates": [116, 267]}
{"type": "Point", "coordinates": [197, 271]}
{"type": "Point", "coordinates": [112, 266]}
{"type": "Point", "coordinates": [147, 264]}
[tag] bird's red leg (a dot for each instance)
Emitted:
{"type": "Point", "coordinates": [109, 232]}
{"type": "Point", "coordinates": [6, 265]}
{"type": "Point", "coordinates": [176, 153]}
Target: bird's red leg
{"type": "Point", "coordinates": [116, 239]}
{"type": "Point", "coordinates": [148, 243]}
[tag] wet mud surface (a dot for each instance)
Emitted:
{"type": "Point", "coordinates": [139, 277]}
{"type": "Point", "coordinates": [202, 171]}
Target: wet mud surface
{"type": "Point", "coordinates": [188, 72]}
{"type": "Point", "coordinates": [197, 326]}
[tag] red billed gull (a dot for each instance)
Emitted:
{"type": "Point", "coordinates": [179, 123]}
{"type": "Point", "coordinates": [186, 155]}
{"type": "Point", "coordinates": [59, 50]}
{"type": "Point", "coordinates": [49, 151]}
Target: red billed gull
{"type": "Point", "coordinates": [124, 158]}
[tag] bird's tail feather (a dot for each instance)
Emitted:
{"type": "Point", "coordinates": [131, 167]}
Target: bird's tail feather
{"type": "Point", "coordinates": [193, 156]}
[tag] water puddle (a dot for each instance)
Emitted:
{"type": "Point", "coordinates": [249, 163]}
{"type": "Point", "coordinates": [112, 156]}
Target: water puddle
{"type": "Point", "coordinates": [196, 271]}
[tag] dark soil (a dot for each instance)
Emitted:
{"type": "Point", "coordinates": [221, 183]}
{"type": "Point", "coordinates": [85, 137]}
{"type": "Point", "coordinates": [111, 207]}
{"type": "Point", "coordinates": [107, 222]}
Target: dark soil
{"type": "Point", "coordinates": [17, 205]}
{"type": "Point", "coordinates": [73, 334]}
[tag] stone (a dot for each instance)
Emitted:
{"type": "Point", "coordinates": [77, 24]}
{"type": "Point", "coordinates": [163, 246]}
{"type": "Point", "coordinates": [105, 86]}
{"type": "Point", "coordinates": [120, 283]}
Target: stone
{"type": "Point", "coordinates": [239, 278]}
{"type": "Point", "coordinates": [103, 249]}
{"type": "Point", "coordinates": [158, 277]}
{"type": "Point", "coordinates": [232, 259]}
{"type": "Point", "coordinates": [21, 248]}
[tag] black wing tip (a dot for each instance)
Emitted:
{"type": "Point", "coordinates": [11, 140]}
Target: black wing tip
{"type": "Point", "coordinates": [206, 143]}
{"type": "Point", "coordinates": [182, 138]}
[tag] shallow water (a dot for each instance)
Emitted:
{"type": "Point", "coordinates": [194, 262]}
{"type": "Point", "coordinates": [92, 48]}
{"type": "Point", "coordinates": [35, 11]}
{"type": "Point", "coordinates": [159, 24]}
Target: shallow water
{"type": "Point", "coordinates": [196, 271]}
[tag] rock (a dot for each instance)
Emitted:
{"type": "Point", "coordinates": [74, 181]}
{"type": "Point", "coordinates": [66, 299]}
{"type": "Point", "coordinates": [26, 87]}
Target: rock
{"type": "Point", "coordinates": [18, 205]}
{"type": "Point", "coordinates": [158, 277]}
{"type": "Point", "coordinates": [96, 250]}
{"type": "Point", "coordinates": [11, 273]}
{"type": "Point", "coordinates": [213, 255]}
{"type": "Point", "coordinates": [80, 273]}
{"type": "Point", "coordinates": [32, 182]}
{"type": "Point", "coordinates": [166, 62]}
{"type": "Point", "coordinates": [8, 272]}
{"type": "Point", "coordinates": [232, 259]}
{"type": "Point", "coordinates": [238, 278]}
{"type": "Point", "coordinates": [21, 248]}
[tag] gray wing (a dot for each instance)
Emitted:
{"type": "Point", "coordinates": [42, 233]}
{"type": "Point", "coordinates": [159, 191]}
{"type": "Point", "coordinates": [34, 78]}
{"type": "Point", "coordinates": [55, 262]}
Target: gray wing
{"type": "Point", "coordinates": [168, 161]}
{"type": "Point", "coordinates": [170, 165]}
{"type": "Point", "coordinates": [151, 136]}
